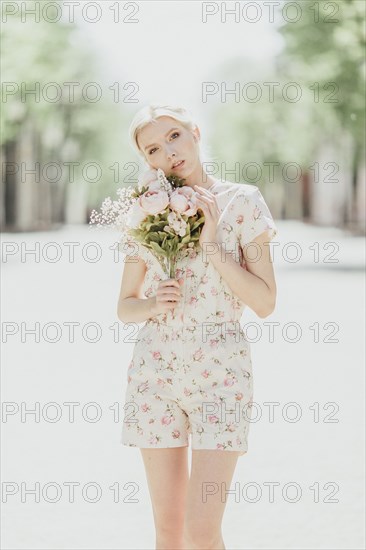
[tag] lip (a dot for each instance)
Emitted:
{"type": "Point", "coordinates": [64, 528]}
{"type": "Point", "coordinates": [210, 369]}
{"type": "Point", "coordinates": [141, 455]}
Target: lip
{"type": "Point", "coordinates": [178, 167]}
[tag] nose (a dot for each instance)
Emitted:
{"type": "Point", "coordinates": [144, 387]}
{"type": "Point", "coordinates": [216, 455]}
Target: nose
{"type": "Point", "coordinates": [171, 154]}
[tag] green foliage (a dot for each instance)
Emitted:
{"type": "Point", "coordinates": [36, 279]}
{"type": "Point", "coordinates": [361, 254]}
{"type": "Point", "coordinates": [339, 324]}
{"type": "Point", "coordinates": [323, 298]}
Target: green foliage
{"type": "Point", "coordinates": [166, 245]}
{"type": "Point", "coordinates": [331, 50]}
{"type": "Point", "coordinates": [315, 54]}
{"type": "Point", "coordinates": [175, 180]}
{"type": "Point", "coordinates": [36, 54]}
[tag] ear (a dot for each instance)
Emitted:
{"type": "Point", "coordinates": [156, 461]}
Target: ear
{"type": "Point", "coordinates": [196, 134]}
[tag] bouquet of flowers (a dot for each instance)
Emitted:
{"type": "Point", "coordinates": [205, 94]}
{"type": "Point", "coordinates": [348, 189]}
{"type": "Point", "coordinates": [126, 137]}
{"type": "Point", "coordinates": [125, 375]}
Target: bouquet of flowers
{"type": "Point", "coordinates": [161, 214]}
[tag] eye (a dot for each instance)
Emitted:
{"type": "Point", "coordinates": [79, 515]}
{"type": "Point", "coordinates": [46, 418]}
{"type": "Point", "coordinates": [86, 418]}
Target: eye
{"type": "Point", "coordinates": [154, 148]}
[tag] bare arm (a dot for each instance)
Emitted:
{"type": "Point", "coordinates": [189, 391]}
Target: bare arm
{"type": "Point", "coordinates": [132, 306]}
{"type": "Point", "coordinates": [255, 285]}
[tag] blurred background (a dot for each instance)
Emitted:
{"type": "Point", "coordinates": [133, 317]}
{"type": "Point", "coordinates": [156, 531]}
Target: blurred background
{"type": "Point", "coordinates": [278, 91]}
{"type": "Point", "coordinates": [301, 138]}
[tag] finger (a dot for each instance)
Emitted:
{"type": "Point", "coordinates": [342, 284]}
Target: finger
{"type": "Point", "coordinates": [205, 194]}
{"type": "Point", "coordinates": [169, 298]}
{"type": "Point", "coordinates": [205, 199]}
{"type": "Point", "coordinates": [170, 291]}
{"type": "Point", "coordinates": [204, 191]}
{"type": "Point", "coordinates": [170, 288]}
{"type": "Point", "coordinates": [169, 282]}
{"type": "Point", "coordinates": [211, 204]}
{"type": "Point", "coordinates": [206, 207]}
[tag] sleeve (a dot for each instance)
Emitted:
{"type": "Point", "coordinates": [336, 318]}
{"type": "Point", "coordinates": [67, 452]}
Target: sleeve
{"type": "Point", "coordinates": [131, 248]}
{"type": "Point", "coordinates": [253, 216]}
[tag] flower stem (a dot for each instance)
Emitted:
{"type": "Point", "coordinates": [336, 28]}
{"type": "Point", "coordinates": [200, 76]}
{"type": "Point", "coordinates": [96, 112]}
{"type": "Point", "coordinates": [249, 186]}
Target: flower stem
{"type": "Point", "coordinates": [171, 267]}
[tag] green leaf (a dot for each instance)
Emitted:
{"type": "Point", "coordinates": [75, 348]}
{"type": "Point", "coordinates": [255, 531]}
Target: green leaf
{"type": "Point", "coordinates": [153, 236]}
{"type": "Point", "coordinates": [158, 249]}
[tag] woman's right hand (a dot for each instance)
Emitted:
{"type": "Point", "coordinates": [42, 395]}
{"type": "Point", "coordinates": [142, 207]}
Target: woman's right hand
{"type": "Point", "coordinates": [167, 297]}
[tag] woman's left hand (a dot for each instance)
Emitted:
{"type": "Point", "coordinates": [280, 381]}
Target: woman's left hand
{"type": "Point", "coordinates": [206, 201]}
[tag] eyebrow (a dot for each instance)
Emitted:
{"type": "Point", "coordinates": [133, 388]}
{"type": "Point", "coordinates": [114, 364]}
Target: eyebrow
{"type": "Point", "coordinates": [171, 129]}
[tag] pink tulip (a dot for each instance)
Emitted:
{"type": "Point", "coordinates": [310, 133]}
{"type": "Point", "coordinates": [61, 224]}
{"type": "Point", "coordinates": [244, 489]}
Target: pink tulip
{"type": "Point", "coordinates": [183, 201]}
{"type": "Point", "coordinates": [154, 202]}
{"type": "Point", "coordinates": [154, 185]}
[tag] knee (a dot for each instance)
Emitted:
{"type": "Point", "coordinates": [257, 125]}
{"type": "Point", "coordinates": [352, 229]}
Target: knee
{"type": "Point", "coordinates": [169, 538]}
{"type": "Point", "coordinates": [197, 537]}
{"type": "Point", "coordinates": [169, 529]}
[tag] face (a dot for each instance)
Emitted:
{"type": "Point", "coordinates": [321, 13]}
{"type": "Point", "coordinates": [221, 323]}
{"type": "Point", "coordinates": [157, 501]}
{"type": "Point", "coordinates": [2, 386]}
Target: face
{"type": "Point", "coordinates": [165, 142]}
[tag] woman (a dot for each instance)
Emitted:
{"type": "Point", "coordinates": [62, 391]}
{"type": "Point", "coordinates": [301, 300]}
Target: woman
{"type": "Point", "coordinates": [191, 370]}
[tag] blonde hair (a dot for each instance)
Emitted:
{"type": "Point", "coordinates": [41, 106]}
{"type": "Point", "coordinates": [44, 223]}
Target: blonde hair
{"type": "Point", "coordinates": [150, 113]}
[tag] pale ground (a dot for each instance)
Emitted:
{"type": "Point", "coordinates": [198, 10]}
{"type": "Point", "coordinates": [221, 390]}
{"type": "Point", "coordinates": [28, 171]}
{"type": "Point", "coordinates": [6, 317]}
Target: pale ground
{"type": "Point", "coordinates": [308, 453]}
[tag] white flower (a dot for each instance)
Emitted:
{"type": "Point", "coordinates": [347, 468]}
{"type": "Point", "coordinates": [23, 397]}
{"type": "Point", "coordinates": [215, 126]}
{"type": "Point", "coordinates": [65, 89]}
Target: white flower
{"type": "Point", "coordinates": [136, 215]}
{"type": "Point", "coordinates": [165, 183]}
{"type": "Point", "coordinates": [147, 178]}
{"type": "Point", "coordinates": [177, 223]}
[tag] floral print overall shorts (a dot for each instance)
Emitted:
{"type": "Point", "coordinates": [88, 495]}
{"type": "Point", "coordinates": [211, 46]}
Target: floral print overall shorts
{"type": "Point", "coordinates": [191, 370]}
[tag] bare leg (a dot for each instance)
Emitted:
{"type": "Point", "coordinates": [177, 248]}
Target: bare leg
{"type": "Point", "coordinates": [167, 477]}
{"type": "Point", "coordinates": [206, 500]}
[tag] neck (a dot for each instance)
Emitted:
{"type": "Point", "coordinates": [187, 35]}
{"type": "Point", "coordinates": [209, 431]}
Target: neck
{"type": "Point", "coordinates": [199, 177]}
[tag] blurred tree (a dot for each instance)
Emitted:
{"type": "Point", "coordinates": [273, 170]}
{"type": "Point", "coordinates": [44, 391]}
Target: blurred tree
{"type": "Point", "coordinates": [322, 58]}
{"type": "Point", "coordinates": [326, 48]}
{"type": "Point", "coordinates": [46, 58]}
